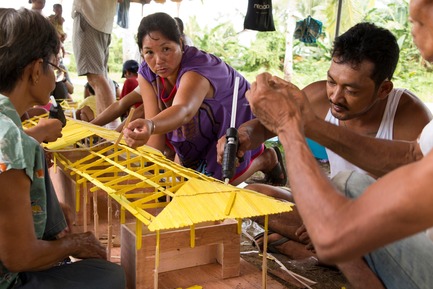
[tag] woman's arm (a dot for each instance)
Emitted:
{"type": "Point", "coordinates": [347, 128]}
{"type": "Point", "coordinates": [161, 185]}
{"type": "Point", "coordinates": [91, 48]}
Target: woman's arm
{"type": "Point", "coordinates": [117, 109]}
{"type": "Point", "coordinates": [193, 89]}
{"type": "Point", "coordinates": [47, 130]}
{"type": "Point", "coordinates": [20, 250]}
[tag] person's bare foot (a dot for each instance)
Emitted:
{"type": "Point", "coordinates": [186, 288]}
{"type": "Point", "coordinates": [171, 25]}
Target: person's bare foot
{"type": "Point", "coordinates": [282, 245]}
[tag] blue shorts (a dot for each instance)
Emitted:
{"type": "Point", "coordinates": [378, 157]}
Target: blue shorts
{"type": "Point", "coordinates": [404, 264]}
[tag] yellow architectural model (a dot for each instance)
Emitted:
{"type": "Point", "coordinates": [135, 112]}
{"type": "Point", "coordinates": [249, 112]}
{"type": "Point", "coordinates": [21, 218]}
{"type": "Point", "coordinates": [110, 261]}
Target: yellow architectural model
{"type": "Point", "coordinates": [143, 182]}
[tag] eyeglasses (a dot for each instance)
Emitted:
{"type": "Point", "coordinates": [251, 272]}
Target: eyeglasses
{"type": "Point", "coordinates": [59, 72]}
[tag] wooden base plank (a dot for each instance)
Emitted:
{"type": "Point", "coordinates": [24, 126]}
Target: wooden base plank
{"type": "Point", "coordinates": [209, 277]}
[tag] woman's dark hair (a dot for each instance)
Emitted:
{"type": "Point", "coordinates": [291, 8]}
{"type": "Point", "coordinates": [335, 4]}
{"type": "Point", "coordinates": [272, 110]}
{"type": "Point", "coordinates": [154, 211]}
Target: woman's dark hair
{"type": "Point", "coordinates": [179, 24]}
{"type": "Point", "coordinates": [25, 36]}
{"type": "Point", "coordinates": [366, 41]}
{"type": "Point", "coordinates": [161, 22]}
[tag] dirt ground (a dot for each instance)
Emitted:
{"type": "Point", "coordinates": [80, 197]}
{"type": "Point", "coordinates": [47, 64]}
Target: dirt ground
{"type": "Point", "coordinates": [325, 277]}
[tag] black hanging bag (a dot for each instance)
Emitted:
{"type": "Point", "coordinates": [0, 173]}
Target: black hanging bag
{"type": "Point", "coordinates": [259, 16]}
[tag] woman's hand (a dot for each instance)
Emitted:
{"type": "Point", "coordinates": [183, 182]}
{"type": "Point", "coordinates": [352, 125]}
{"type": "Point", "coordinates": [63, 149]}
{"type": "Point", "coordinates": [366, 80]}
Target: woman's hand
{"type": "Point", "coordinates": [138, 132]}
{"type": "Point", "coordinates": [47, 130]}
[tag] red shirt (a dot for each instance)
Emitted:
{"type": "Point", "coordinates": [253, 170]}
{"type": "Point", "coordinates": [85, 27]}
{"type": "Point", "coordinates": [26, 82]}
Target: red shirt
{"type": "Point", "coordinates": [129, 85]}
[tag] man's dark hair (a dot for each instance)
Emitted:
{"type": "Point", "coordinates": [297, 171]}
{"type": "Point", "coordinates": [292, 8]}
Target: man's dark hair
{"type": "Point", "coordinates": [366, 41]}
{"type": "Point", "coordinates": [90, 88]}
{"type": "Point", "coordinates": [25, 36]}
{"type": "Point", "coordinates": [161, 22]}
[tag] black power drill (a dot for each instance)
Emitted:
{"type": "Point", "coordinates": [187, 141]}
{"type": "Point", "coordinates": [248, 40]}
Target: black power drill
{"type": "Point", "coordinates": [231, 146]}
{"type": "Point", "coordinates": [56, 111]}
{"type": "Point", "coordinates": [229, 157]}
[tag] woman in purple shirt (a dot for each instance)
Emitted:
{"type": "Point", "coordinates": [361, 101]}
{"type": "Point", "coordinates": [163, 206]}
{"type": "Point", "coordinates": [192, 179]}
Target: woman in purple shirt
{"type": "Point", "coordinates": [187, 95]}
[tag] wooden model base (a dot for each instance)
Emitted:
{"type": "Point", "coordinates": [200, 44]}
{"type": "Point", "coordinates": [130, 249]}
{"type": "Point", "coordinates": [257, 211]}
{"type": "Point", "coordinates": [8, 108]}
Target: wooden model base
{"type": "Point", "coordinates": [66, 189]}
{"type": "Point", "coordinates": [215, 243]}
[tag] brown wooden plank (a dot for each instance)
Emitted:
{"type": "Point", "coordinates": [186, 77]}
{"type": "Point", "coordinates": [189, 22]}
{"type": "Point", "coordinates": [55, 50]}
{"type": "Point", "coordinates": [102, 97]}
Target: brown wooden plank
{"type": "Point", "coordinates": [209, 277]}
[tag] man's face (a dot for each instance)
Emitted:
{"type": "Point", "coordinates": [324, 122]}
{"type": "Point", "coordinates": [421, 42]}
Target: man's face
{"type": "Point", "coordinates": [350, 90]}
{"type": "Point", "coordinates": [420, 12]}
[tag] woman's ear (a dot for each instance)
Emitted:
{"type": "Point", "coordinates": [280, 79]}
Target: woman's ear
{"type": "Point", "coordinates": [182, 45]}
{"type": "Point", "coordinates": [36, 71]}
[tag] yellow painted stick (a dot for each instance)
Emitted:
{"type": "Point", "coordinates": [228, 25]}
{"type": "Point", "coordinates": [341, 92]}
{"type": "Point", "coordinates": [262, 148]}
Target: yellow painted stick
{"type": "Point", "coordinates": [230, 203]}
{"type": "Point", "coordinates": [265, 253]}
{"type": "Point", "coordinates": [157, 256]}
{"type": "Point", "coordinates": [138, 233]}
{"type": "Point", "coordinates": [95, 214]}
{"type": "Point", "coordinates": [128, 119]}
{"type": "Point", "coordinates": [85, 198]}
{"type": "Point", "coordinates": [110, 227]}
{"type": "Point", "coordinates": [192, 236]}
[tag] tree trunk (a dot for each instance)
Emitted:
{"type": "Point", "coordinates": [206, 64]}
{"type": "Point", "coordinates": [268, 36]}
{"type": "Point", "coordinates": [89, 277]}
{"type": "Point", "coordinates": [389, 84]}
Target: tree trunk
{"type": "Point", "coordinates": [288, 57]}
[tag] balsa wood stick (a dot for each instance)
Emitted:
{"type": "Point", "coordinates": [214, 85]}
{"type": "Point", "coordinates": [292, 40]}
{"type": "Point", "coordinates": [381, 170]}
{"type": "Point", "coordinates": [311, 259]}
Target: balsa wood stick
{"type": "Point", "coordinates": [128, 119]}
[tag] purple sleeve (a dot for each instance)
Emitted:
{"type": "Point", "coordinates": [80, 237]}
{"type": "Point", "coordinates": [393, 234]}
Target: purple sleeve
{"type": "Point", "coordinates": [145, 71]}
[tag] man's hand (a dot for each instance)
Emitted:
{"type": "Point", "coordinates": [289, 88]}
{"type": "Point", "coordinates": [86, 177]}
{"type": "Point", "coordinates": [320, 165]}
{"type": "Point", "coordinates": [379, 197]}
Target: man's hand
{"type": "Point", "coordinates": [87, 246]}
{"type": "Point", "coordinates": [275, 102]}
{"type": "Point", "coordinates": [244, 144]}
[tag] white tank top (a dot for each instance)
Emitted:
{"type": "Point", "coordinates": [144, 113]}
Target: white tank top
{"type": "Point", "coordinates": [385, 131]}
{"type": "Point", "coordinates": [426, 138]}
{"type": "Point", "coordinates": [426, 144]}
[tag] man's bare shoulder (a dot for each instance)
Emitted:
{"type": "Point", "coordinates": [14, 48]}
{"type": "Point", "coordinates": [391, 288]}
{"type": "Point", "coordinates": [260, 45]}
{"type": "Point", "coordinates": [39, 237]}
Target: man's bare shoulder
{"type": "Point", "coordinates": [317, 96]}
{"type": "Point", "coordinates": [411, 117]}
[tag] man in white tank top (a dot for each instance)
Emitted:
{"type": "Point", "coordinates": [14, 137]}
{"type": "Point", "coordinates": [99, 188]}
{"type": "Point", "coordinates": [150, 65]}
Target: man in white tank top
{"type": "Point", "coordinates": [385, 131]}
{"type": "Point", "coordinates": [359, 97]}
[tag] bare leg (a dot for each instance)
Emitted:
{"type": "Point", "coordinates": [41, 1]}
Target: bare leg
{"type": "Point", "coordinates": [272, 191]}
{"type": "Point", "coordinates": [359, 275]}
{"type": "Point", "coordinates": [264, 162]}
{"type": "Point", "coordinates": [284, 224]}
{"type": "Point", "coordinates": [104, 94]}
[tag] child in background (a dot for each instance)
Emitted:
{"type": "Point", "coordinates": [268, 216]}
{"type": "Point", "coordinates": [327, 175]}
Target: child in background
{"type": "Point", "coordinates": [130, 72]}
{"type": "Point", "coordinates": [57, 20]}
{"type": "Point", "coordinates": [86, 110]}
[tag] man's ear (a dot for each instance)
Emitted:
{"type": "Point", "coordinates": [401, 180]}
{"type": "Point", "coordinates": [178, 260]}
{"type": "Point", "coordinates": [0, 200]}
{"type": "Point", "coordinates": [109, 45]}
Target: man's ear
{"type": "Point", "coordinates": [385, 88]}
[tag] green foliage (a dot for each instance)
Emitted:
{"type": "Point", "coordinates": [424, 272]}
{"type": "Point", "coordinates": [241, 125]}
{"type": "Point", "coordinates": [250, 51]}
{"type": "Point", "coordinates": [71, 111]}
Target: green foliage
{"type": "Point", "coordinates": [72, 67]}
{"type": "Point", "coordinates": [412, 71]}
{"type": "Point", "coordinates": [115, 61]}
{"type": "Point", "coordinates": [220, 40]}
{"type": "Point", "coordinates": [266, 52]}
{"type": "Point", "coordinates": [308, 70]}
{"type": "Point", "coordinates": [310, 62]}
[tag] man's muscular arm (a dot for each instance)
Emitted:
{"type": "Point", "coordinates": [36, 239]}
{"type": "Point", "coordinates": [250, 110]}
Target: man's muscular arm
{"type": "Point", "coordinates": [376, 156]}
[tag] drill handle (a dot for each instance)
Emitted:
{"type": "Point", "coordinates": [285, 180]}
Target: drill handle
{"type": "Point", "coordinates": [57, 112]}
{"type": "Point", "coordinates": [229, 156]}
